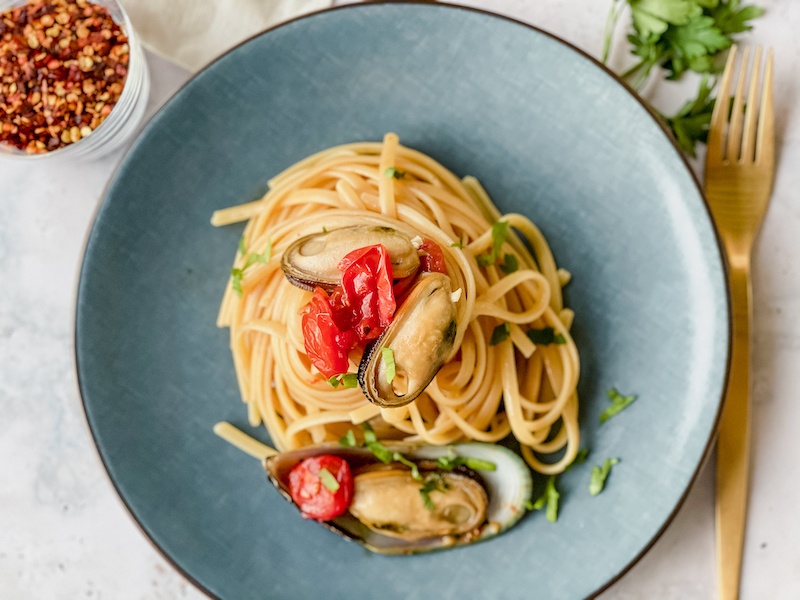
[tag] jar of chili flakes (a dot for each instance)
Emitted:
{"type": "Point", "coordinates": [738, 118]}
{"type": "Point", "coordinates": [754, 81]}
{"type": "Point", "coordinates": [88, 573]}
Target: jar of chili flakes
{"type": "Point", "coordinates": [73, 78]}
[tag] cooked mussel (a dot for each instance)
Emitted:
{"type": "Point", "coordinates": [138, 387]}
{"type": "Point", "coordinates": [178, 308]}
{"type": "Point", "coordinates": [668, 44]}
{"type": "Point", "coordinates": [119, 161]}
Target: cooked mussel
{"type": "Point", "coordinates": [389, 514]}
{"type": "Point", "coordinates": [420, 338]}
{"type": "Point", "coordinates": [313, 259]}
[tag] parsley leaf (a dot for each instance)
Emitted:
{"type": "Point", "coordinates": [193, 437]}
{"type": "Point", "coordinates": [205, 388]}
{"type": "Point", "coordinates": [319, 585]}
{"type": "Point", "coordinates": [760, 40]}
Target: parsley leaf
{"type": "Point", "coordinates": [599, 475]}
{"type": "Point", "coordinates": [328, 480]}
{"type": "Point", "coordinates": [548, 499]}
{"type": "Point", "coordinates": [393, 173]}
{"type": "Point", "coordinates": [348, 380]}
{"type": "Point", "coordinates": [580, 457]}
{"type": "Point", "coordinates": [618, 403]}
{"type": "Point", "coordinates": [509, 264]}
{"type": "Point", "coordinates": [237, 274]}
{"type": "Point", "coordinates": [236, 280]}
{"type": "Point", "coordinates": [499, 235]}
{"type": "Point", "coordinates": [348, 440]}
{"type": "Point", "coordinates": [451, 461]}
{"type": "Point", "coordinates": [381, 452]}
{"type": "Point", "coordinates": [458, 244]}
{"type": "Point", "coordinates": [387, 354]}
{"type": "Point", "coordinates": [500, 334]}
{"type": "Point", "coordinates": [411, 465]}
{"type": "Point", "coordinates": [433, 483]}
{"type": "Point", "coordinates": [545, 336]}
{"type": "Point", "coordinates": [675, 36]}
{"type": "Point", "coordinates": [690, 124]}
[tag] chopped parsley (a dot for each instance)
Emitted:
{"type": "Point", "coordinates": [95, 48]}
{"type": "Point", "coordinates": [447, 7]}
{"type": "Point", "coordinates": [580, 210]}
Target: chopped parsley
{"type": "Point", "coordinates": [348, 440]}
{"type": "Point", "coordinates": [387, 354]}
{"type": "Point", "coordinates": [548, 500]}
{"type": "Point", "coordinates": [618, 403]}
{"type": "Point", "coordinates": [328, 480]}
{"type": "Point", "coordinates": [381, 452]}
{"type": "Point", "coordinates": [545, 336]}
{"type": "Point", "coordinates": [348, 380]}
{"type": "Point", "coordinates": [509, 264]}
{"type": "Point", "coordinates": [451, 461]}
{"type": "Point", "coordinates": [458, 244]}
{"type": "Point", "coordinates": [499, 235]}
{"type": "Point", "coordinates": [580, 457]}
{"type": "Point", "coordinates": [393, 173]}
{"type": "Point", "coordinates": [411, 465]}
{"type": "Point", "coordinates": [238, 273]}
{"type": "Point", "coordinates": [500, 334]}
{"type": "Point", "coordinates": [433, 483]}
{"type": "Point", "coordinates": [599, 475]}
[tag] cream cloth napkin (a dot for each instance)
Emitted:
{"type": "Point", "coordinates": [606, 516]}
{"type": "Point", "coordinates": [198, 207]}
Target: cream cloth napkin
{"type": "Point", "coordinates": [192, 33]}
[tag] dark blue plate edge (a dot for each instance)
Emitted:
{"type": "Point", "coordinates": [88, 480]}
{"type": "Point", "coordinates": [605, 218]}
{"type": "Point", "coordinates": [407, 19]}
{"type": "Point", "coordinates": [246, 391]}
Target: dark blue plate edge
{"type": "Point", "coordinates": [122, 163]}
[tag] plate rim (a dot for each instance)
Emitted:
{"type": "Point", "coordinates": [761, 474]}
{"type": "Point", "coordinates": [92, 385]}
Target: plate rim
{"type": "Point", "coordinates": [725, 269]}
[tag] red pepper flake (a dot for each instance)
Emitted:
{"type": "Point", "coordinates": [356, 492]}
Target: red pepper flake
{"type": "Point", "coordinates": [63, 64]}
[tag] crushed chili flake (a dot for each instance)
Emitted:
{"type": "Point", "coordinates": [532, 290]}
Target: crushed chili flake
{"type": "Point", "coordinates": [62, 69]}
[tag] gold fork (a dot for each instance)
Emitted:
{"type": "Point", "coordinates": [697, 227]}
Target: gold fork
{"type": "Point", "coordinates": [740, 165]}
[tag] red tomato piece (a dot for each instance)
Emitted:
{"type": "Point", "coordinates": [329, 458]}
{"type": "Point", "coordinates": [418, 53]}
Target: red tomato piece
{"type": "Point", "coordinates": [312, 496]}
{"type": "Point", "coordinates": [326, 343]}
{"type": "Point", "coordinates": [432, 257]}
{"type": "Point", "coordinates": [367, 290]}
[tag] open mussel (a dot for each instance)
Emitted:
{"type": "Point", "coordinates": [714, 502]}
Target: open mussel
{"type": "Point", "coordinates": [420, 339]}
{"type": "Point", "coordinates": [313, 260]}
{"type": "Point", "coordinates": [414, 504]}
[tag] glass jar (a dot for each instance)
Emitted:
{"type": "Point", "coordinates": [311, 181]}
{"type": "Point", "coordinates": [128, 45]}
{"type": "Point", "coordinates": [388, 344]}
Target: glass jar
{"type": "Point", "coordinates": [125, 116]}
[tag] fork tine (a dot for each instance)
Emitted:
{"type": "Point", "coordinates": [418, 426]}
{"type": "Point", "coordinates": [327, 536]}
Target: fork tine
{"type": "Point", "coordinates": [765, 147]}
{"type": "Point", "coordinates": [737, 111]}
{"type": "Point", "coordinates": [720, 113]}
{"type": "Point", "coordinates": [751, 112]}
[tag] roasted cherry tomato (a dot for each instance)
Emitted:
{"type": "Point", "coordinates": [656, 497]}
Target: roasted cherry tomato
{"type": "Point", "coordinates": [313, 494]}
{"type": "Point", "coordinates": [431, 257]}
{"type": "Point", "coordinates": [327, 343]}
{"type": "Point", "coordinates": [367, 290]}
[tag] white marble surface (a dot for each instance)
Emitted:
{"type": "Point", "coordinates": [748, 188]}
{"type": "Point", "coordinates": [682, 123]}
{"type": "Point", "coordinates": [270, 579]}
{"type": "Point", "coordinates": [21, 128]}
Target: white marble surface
{"type": "Point", "coordinates": [65, 534]}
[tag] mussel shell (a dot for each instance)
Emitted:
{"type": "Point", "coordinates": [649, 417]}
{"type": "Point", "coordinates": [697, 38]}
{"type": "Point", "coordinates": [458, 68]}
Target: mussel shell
{"type": "Point", "coordinates": [421, 337]}
{"type": "Point", "coordinates": [508, 489]}
{"type": "Point", "coordinates": [313, 259]}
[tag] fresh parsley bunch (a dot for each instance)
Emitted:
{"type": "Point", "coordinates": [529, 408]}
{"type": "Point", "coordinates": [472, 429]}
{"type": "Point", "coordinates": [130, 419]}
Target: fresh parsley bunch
{"type": "Point", "coordinates": [676, 36]}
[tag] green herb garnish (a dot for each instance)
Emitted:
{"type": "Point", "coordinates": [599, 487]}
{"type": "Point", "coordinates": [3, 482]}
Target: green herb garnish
{"type": "Point", "coordinates": [433, 483]}
{"type": "Point", "coordinates": [348, 440]}
{"type": "Point", "coordinates": [458, 244]}
{"type": "Point", "coordinates": [328, 480]}
{"type": "Point", "coordinates": [348, 380]}
{"type": "Point", "coordinates": [509, 264]}
{"type": "Point", "coordinates": [260, 258]}
{"type": "Point", "coordinates": [411, 465]}
{"type": "Point", "coordinates": [675, 36]}
{"type": "Point", "coordinates": [238, 273]}
{"type": "Point", "coordinates": [599, 475]}
{"type": "Point", "coordinates": [236, 280]}
{"type": "Point", "coordinates": [499, 235]}
{"type": "Point", "coordinates": [395, 173]}
{"type": "Point", "coordinates": [548, 499]}
{"type": "Point", "coordinates": [451, 461]}
{"type": "Point", "coordinates": [618, 403]}
{"type": "Point", "coordinates": [387, 354]}
{"type": "Point", "coordinates": [580, 457]}
{"type": "Point", "coordinates": [500, 334]}
{"type": "Point", "coordinates": [381, 452]}
{"type": "Point", "coordinates": [545, 336]}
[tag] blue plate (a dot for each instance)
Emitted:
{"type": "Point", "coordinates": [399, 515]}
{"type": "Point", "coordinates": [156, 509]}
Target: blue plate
{"type": "Point", "coordinates": [550, 134]}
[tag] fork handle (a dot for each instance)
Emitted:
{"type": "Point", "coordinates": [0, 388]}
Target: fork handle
{"type": "Point", "coordinates": [733, 444]}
